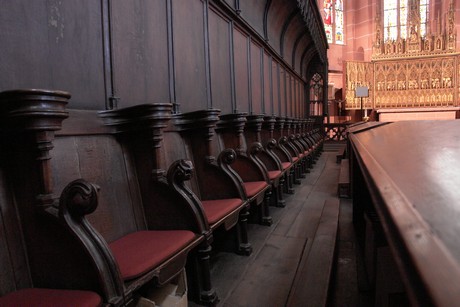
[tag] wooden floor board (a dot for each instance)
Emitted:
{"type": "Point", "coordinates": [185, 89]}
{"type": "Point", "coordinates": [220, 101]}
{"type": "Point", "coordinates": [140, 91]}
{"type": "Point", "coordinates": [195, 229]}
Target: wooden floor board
{"type": "Point", "coordinates": [311, 284]}
{"type": "Point", "coordinates": [264, 283]}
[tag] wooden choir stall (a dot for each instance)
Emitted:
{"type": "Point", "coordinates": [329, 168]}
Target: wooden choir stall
{"type": "Point", "coordinates": [103, 207]}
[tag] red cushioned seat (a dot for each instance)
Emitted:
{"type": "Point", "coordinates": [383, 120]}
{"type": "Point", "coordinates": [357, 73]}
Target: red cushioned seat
{"type": "Point", "coordinates": [294, 159]}
{"type": "Point", "coordinates": [254, 187]}
{"type": "Point", "coordinates": [138, 252]}
{"type": "Point", "coordinates": [216, 209]}
{"type": "Point", "coordinates": [50, 298]}
{"type": "Point", "coordinates": [273, 174]}
{"type": "Point", "coordinates": [286, 165]}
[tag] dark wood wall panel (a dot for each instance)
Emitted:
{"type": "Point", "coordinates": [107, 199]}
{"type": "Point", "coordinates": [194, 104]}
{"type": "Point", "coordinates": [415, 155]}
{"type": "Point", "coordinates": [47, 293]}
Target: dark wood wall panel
{"type": "Point", "coordinates": [257, 91]}
{"type": "Point", "coordinates": [93, 158]}
{"type": "Point", "coordinates": [140, 51]}
{"type": "Point", "coordinates": [240, 47]}
{"type": "Point", "coordinates": [268, 92]}
{"type": "Point", "coordinates": [53, 45]}
{"type": "Point", "coordinates": [189, 54]}
{"type": "Point", "coordinates": [276, 88]}
{"type": "Point", "coordinates": [302, 47]}
{"type": "Point", "coordinates": [295, 28]}
{"type": "Point", "coordinates": [253, 12]}
{"type": "Point", "coordinates": [290, 98]}
{"type": "Point", "coordinates": [197, 54]}
{"type": "Point", "coordinates": [220, 54]}
{"type": "Point", "coordinates": [232, 3]}
{"type": "Point", "coordinates": [282, 78]}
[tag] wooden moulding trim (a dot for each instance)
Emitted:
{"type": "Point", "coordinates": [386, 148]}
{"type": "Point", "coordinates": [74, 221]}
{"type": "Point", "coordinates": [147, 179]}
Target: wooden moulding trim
{"type": "Point", "coordinates": [139, 117]}
{"type": "Point", "coordinates": [33, 109]}
{"type": "Point", "coordinates": [269, 123]}
{"type": "Point", "coordinates": [234, 121]}
{"type": "Point", "coordinates": [202, 119]}
{"type": "Point", "coordinates": [254, 122]}
{"type": "Point", "coordinates": [429, 270]}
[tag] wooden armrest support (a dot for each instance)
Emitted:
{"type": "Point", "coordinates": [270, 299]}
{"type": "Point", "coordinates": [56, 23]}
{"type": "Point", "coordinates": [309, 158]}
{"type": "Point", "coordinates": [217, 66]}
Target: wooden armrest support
{"type": "Point", "coordinates": [79, 198]}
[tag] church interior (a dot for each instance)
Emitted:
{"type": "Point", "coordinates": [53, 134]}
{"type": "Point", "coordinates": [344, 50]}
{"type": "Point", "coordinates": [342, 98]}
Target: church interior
{"type": "Point", "coordinates": [226, 153]}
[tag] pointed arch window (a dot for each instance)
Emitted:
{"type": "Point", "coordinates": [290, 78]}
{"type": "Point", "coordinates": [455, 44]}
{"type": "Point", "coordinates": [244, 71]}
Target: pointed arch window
{"type": "Point", "coordinates": [401, 17]}
{"type": "Point", "coordinates": [316, 95]}
{"type": "Point", "coordinates": [333, 19]}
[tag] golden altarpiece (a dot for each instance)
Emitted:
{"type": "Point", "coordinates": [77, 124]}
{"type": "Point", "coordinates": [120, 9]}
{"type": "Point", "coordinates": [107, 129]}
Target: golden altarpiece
{"type": "Point", "coordinates": [413, 72]}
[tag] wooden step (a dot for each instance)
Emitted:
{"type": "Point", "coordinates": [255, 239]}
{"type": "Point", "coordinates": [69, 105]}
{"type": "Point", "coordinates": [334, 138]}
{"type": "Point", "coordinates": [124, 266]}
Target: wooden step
{"type": "Point", "coordinates": [341, 155]}
{"type": "Point", "coordinates": [343, 189]}
{"type": "Point", "coordinates": [311, 283]}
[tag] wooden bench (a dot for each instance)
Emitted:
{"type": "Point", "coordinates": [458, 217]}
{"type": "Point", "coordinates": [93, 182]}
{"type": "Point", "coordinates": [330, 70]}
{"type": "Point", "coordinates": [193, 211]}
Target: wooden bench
{"type": "Point", "coordinates": [271, 145]}
{"type": "Point", "coordinates": [343, 186]}
{"type": "Point", "coordinates": [216, 184]}
{"type": "Point", "coordinates": [284, 145]}
{"type": "Point", "coordinates": [274, 166]}
{"type": "Point", "coordinates": [102, 233]}
{"type": "Point", "coordinates": [247, 165]}
{"type": "Point", "coordinates": [341, 155]}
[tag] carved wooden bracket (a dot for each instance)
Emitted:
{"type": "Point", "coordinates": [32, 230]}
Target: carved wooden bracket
{"type": "Point", "coordinates": [38, 113]}
{"type": "Point", "coordinates": [150, 118]}
{"type": "Point", "coordinates": [234, 123]}
{"type": "Point", "coordinates": [203, 120]}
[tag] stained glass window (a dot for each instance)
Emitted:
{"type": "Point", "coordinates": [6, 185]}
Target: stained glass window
{"type": "Point", "coordinates": [396, 18]}
{"type": "Point", "coordinates": [334, 21]}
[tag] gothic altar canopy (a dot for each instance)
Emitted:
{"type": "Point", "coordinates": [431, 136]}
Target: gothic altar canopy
{"type": "Point", "coordinates": [414, 64]}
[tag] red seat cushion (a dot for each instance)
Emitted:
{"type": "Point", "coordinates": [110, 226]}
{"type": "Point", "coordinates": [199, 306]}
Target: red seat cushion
{"type": "Point", "coordinates": [216, 209]}
{"type": "Point", "coordinates": [294, 159]}
{"type": "Point", "coordinates": [139, 252]}
{"type": "Point", "coordinates": [286, 165]}
{"type": "Point", "coordinates": [273, 174]}
{"type": "Point", "coordinates": [50, 298]}
{"type": "Point", "coordinates": [254, 187]}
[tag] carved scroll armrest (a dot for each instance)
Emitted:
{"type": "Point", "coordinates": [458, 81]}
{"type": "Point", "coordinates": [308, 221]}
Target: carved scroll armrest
{"type": "Point", "coordinates": [78, 199]}
{"type": "Point", "coordinates": [179, 172]}
{"type": "Point", "coordinates": [224, 160]}
{"type": "Point", "coordinates": [265, 157]}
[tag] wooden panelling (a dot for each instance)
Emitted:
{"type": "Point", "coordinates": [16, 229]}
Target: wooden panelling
{"type": "Point", "coordinates": [295, 27]}
{"type": "Point", "coordinates": [276, 88]}
{"type": "Point", "coordinates": [53, 44]}
{"type": "Point", "coordinates": [220, 53]}
{"type": "Point", "coordinates": [189, 51]}
{"type": "Point", "coordinates": [197, 54]}
{"type": "Point", "coordinates": [83, 158]}
{"type": "Point", "coordinates": [268, 92]}
{"type": "Point", "coordinates": [282, 79]}
{"type": "Point", "coordinates": [277, 15]}
{"type": "Point", "coordinates": [256, 78]}
{"type": "Point", "coordinates": [302, 45]}
{"type": "Point", "coordinates": [253, 12]}
{"type": "Point", "coordinates": [240, 47]}
{"type": "Point", "coordinates": [140, 51]}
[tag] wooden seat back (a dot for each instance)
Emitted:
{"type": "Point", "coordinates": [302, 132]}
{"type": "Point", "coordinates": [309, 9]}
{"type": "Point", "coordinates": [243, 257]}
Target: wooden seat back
{"type": "Point", "coordinates": [65, 235]}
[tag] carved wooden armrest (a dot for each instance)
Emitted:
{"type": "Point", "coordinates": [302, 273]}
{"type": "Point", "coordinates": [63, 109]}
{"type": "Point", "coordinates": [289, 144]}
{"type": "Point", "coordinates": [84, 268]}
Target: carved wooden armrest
{"type": "Point", "coordinates": [180, 171]}
{"type": "Point", "coordinates": [79, 198]}
{"type": "Point", "coordinates": [271, 144]}
{"type": "Point", "coordinates": [255, 149]}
